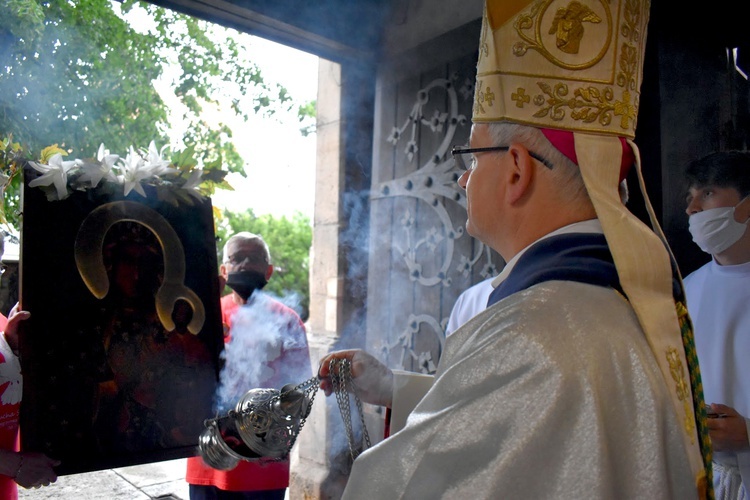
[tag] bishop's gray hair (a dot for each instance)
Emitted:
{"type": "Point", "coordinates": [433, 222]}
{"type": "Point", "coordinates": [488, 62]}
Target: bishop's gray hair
{"type": "Point", "coordinates": [566, 174]}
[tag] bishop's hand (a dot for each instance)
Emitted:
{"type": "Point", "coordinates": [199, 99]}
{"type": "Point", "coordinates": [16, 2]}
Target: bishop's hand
{"type": "Point", "coordinates": [372, 380]}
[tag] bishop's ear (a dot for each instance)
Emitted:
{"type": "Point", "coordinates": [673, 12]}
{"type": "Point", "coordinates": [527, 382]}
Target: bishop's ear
{"type": "Point", "coordinates": [521, 173]}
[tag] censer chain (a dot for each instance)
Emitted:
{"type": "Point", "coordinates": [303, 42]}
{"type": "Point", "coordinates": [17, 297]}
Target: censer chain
{"type": "Point", "coordinates": [341, 379]}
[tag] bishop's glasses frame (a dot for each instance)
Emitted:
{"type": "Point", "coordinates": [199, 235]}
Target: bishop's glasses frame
{"type": "Point", "coordinates": [457, 152]}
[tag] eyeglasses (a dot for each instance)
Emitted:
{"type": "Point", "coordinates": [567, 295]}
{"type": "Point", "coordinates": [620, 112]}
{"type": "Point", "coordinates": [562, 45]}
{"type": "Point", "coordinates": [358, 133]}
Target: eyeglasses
{"type": "Point", "coordinates": [458, 157]}
{"type": "Point", "coordinates": [239, 259]}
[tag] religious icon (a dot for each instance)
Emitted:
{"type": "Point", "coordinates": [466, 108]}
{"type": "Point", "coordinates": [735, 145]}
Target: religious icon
{"type": "Point", "coordinates": [121, 354]}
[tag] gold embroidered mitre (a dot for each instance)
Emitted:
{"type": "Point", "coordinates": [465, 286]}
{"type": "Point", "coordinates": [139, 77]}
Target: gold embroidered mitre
{"type": "Point", "coordinates": [572, 65]}
{"type": "Point", "coordinates": [576, 66]}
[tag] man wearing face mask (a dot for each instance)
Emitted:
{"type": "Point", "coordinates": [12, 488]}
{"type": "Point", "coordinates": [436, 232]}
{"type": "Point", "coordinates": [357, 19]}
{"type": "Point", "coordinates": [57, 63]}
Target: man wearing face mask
{"type": "Point", "coordinates": [265, 347]}
{"type": "Point", "coordinates": [718, 296]}
{"type": "Point", "coordinates": [246, 267]}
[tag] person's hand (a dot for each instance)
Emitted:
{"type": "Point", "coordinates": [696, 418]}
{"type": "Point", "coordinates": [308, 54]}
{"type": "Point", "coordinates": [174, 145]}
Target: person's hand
{"type": "Point", "coordinates": [728, 431]}
{"type": "Point", "coordinates": [11, 329]}
{"type": "Point", "coordinates": [373, 380]}
{"type": "Point", "coordinates": [36, 469]}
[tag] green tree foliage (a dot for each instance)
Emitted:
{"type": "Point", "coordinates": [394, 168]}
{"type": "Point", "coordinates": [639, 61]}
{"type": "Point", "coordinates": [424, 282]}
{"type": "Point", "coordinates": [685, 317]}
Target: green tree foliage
{"type": "Point", "coordinates": [306, 114]}
{"type": "Point", "coordinates": [289, 240]}
{"type": "Point", "coordinates": [77, 75]}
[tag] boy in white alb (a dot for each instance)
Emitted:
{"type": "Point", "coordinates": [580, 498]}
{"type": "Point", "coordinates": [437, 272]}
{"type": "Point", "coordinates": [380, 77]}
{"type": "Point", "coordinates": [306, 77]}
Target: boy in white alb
{"type": "Point", "coordinates": [718, 296]}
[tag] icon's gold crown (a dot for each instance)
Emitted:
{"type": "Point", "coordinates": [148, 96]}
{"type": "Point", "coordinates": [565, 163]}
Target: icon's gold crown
{"type": "Point", "coordinates": [572, 65]}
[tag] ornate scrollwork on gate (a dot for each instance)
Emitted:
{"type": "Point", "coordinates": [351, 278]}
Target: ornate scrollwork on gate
{"type": "Point", "coordinates": [423, 360]}
{"type": "Point", "coordinates": [435, 183]}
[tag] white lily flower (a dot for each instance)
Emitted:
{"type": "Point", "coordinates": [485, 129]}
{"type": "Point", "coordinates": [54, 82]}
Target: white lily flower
{"type": "Point", "coordinates": [95, 171]}
{"type": "Point", "coordinates": [134, 170]}
{"type": "Point", "coordinates": [155, 160]}
{"type": "Point", "coordinates": [55, 173]}
{"type": "Point", "coordinates": [192, 182]}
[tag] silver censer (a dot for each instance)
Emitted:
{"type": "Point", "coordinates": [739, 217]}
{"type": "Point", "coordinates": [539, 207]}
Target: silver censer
{"type": "Point", "coordinates": [263, 426]}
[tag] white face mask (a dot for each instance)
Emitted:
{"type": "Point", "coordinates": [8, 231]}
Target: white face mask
{"type": "Point", "coordinates": [714, 230]}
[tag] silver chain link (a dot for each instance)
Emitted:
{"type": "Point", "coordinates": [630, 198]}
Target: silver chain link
{"type": "Point", "coordinates": [310, 388]}
{"type": "Point", "coordinates": [341, 379]}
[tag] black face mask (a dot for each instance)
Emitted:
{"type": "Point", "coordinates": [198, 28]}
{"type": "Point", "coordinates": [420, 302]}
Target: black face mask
{"type": "Point", "coordinates": [246, 282]}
